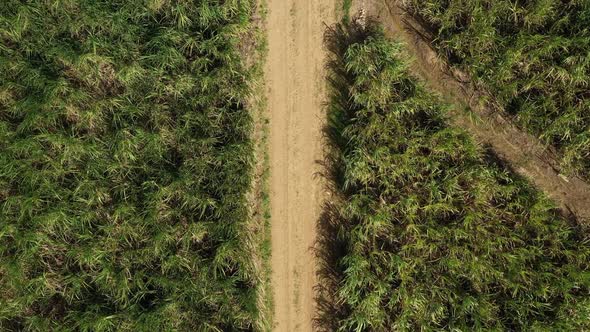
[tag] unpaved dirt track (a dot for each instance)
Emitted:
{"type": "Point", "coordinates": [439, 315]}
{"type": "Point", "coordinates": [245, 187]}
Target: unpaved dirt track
{"type": "Point", "coordinates": [526, 155]}
{"type": "Point", "coordinates": [295, 81]}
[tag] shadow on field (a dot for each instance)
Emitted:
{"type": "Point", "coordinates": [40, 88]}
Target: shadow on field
{"type": "Point", "coordinates": [330, 246]}
{"type": "Point", "coordinates": [329, 250]}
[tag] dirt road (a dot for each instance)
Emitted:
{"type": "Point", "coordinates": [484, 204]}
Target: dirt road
{"type": "Point", "coordinates": [295, 80]}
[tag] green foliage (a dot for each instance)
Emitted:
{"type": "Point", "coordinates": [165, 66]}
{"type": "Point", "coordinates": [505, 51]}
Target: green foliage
{"type": "Point", "coordinates": [434, 233]}
{"type": "Point", "coordinates": [533, 55]}
{"type": "Point", "coordinates": [346, 7]}
{"type": "Point", "coordinates": [125, 158]}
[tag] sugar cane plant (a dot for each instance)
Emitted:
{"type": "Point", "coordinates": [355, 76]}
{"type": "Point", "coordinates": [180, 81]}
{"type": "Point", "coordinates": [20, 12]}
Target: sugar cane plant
{"type": "Point", "coordinates": [427, 230]}
{"type": "Point", "coordinates": [124, 162]}
{"type": "Point", "coordinates": [533, 55]}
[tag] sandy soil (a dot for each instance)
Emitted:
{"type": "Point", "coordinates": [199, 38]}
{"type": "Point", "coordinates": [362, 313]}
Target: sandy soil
{"type": "Point", "coordinates": [295, 80]}
{"type": "Point", "coordinates": [526, 155]}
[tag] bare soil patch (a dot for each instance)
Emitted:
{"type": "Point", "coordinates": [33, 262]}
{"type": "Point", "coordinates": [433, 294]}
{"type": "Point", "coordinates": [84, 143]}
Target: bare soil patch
{"type": "Point", "coordinates": [295, 90]}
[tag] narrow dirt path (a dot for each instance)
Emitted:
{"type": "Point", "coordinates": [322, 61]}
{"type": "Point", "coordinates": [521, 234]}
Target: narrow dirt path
{"type": "Point", "coordinates": [295, 80]}
{"type": "Point", "coordinates": [525, 153]}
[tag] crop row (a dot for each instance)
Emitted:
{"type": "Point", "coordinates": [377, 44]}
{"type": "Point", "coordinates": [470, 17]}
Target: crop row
{"type": "Point", "coordinates": [125, 159]}
{"type": "Point", "coordinates": [429, 231]}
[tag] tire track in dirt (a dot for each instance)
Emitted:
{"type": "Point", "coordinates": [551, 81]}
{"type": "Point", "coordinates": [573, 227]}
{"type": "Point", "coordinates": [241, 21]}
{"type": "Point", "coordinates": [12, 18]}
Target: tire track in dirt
{"type": "Point", "coordinates": [295, 81]}
{"type": "Point", "coordinates": [524, 152]}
